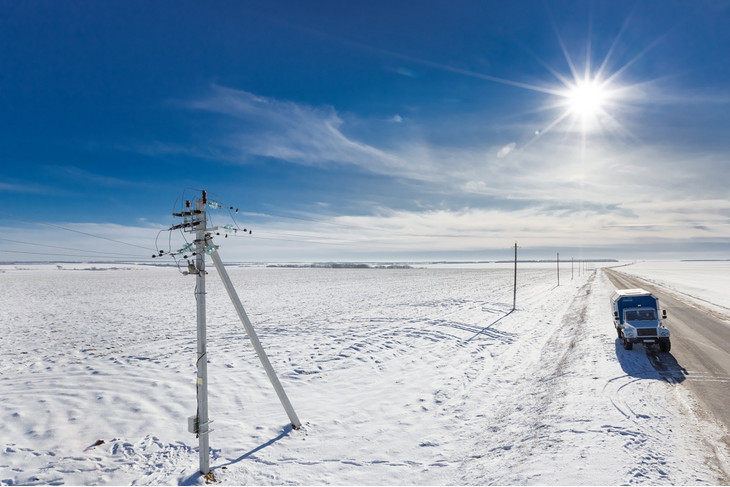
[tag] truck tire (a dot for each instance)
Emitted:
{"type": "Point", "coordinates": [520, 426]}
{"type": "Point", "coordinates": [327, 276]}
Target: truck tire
{"type": "Point", "coordinates": [665, 345]}
{"type": "Point", "coordinates": [628, 344]}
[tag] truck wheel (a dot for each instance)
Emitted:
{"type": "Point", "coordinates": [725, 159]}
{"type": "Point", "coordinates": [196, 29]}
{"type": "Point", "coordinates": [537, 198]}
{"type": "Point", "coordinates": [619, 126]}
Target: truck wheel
{"type": "Point", "coordinates": [628, 345]}
{"type": "Point", "coordinates": [665, 345]}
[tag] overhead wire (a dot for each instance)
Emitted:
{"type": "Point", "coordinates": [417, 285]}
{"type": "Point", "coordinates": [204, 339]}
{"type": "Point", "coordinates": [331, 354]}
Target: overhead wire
{"type": "Point", "coordinates": [393, 233]}
{"type": "Point", "coordinates": [74, 231]}
{"type": "Point", "coordinates": [258, 237]}
{"type": "Point", "coordinates": [59, 254]}
{"type": "Point", "coordinates": [322, 239]}
{"type": "Point", "coordinates": [67, 248]}
{"type": "Point", "coordinates": [218, 203]}
{"type": "Point", "coordinates": [314, 220]}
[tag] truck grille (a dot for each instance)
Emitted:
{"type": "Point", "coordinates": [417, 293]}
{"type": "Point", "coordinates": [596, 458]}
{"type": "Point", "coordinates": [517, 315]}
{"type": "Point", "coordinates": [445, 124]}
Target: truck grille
{"type": "Point", "coordinates": [646, 332]}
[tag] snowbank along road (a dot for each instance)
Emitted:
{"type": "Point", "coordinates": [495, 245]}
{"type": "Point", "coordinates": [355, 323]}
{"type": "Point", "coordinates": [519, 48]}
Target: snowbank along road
{"type": "Point", "coordinates": [413, 376]}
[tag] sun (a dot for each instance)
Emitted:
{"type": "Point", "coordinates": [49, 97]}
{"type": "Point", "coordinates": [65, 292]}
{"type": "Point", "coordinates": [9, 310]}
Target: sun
{"type": "Point", "coordinates": [586, 102]}
{"type": "Point", "coordinates": [586, 99]}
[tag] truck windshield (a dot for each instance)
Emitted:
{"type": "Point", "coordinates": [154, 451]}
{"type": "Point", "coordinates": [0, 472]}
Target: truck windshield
{"type": "Point", "coordinates": [641, 315]}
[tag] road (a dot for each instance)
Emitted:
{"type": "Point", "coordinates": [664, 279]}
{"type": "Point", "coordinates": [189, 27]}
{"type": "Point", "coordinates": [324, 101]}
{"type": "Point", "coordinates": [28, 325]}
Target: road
{"type": "Point", "coordinates": [700, 355]}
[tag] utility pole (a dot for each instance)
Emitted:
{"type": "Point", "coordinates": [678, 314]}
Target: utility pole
{"type": "Point", "coordinates": [558, 268]}
{"type": "Point", "coordinates": [202, 422]}
{"type": "Point", "coordinates": [195, 221]}
{"type": "Point", "coordinates": [514, 293]}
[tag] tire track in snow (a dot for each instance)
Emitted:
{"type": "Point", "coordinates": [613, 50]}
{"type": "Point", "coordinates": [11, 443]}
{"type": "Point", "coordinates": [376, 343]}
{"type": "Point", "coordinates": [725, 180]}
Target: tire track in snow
{"type": "Point", "coordinates": [518, 427]}
{"type": "Point", "coordinates": [573, 420]}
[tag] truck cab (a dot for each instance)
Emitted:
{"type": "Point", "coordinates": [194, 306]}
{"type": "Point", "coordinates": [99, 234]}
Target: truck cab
{"type": "Point", "coordinates": [636, 318]}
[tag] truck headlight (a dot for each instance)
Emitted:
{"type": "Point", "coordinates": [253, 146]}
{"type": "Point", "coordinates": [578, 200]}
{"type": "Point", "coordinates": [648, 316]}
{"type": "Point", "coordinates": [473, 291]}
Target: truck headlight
{"type": "Point", "coordinates": [662, 332]}
{"type": "Point", "coordinates": [630, 332]}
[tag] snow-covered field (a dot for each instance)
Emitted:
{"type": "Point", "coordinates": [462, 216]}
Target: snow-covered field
{"type": "Point", "coordinates": [402, 376]}
{"type": "Point", "coordinates": [705, 281]}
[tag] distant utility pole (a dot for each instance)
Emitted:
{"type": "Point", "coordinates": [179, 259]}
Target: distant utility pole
{"type": "Point", "coordinates": [195, 221]}
{"type": "Point", "coordinates": [558, 268]}
{"type": "Point", "coordinates": [571, 267]}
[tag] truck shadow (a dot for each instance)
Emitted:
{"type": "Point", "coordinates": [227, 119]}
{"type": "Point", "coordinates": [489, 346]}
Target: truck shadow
{"type": "Point", "coordinates": [659, 366]}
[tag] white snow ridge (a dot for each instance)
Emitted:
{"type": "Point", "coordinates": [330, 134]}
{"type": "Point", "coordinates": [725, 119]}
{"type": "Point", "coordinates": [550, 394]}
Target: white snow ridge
{"type": "Point", "coordinates": [419, 376]}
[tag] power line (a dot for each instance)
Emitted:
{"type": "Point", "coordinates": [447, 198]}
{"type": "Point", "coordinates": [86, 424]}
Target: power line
{"type": "Point", "coordinates": [322, 238]}
{"type": "Point", "coordinates": [68, 248]}
{"type": "Point", "coordinates": [308, 239]}
{"type": "Point", "coordinates": [391, 232]}
{"type": "Point", "coordinates": [59, 254]}
{"type": "Point", "coordinates": [271, 216]}
{"type": "Point", "coordinates": [74, 231]}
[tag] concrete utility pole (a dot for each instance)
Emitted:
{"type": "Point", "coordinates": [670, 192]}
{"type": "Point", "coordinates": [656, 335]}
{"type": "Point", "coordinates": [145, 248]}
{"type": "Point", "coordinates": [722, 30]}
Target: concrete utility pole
{"type": "Point", "coordinates": [202, 422]}
{"type": "Point", "coordinates": [195, 221]}
{"type": "Point", "coordinates": [514, 293]}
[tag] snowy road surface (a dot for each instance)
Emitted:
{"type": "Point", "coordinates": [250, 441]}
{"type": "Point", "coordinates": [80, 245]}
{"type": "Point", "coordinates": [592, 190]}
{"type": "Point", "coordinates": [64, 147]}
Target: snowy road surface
{"type": "Point", "coordinates": [700, 355]}
{"type": "Point", "coordinates": [409, 376]}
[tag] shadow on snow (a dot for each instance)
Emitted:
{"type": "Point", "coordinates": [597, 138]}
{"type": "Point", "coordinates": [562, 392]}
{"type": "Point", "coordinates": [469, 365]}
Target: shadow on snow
{"type": "Point", "coordinates": [486, 329]}
{"type": "Point", "coordinates": [194, 479]}
{"type": "Point", "coordinates": [651, 364]}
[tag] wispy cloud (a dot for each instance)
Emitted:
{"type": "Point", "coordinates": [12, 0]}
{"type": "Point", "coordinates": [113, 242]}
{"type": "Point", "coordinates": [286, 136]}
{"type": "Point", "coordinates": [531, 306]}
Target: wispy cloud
{"type": "Point", "coordinates": [483, 231]}
{"type": "Point", "coordinates": [307, 135]}
{"type": "Point", "coordinates": [615, 191]}
{"type": "Point", "coordinates": [33, 188]}
{"type": "Point", "coordinates": [82, 175]}
{"type": "Point", "coordinates": [292, 132]}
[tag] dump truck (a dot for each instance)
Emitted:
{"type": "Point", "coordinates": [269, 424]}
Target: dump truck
{"type": "Point", "coordinates": [637, 319]}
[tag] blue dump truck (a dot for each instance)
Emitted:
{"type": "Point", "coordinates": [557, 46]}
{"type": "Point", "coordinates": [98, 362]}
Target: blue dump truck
{"type": "Point", "coordinates": [637, 319]}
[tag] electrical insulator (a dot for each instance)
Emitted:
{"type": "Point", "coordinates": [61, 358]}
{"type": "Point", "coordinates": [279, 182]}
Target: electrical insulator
{"type": "Point", "coordinates": [185, 248]}
{"type": "Point", "coordinates": [214, 204]}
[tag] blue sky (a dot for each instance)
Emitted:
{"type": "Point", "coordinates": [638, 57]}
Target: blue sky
{"type": "Point", "coordinates": [368, 131]}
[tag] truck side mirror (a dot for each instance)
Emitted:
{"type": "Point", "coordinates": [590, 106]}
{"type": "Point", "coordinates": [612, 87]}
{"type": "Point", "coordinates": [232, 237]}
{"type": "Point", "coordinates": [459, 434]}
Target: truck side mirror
{"type": "Point", "coordinates": [664, 313]}
{"type": "Point", "coordinates": [615, 314]}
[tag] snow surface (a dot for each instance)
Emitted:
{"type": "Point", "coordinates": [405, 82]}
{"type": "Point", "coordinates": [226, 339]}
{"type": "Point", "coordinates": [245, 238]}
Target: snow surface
{"type": "Point", "coordinates": [707, 282]}
{"type": "Point", "coordinates": [406, 376]}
